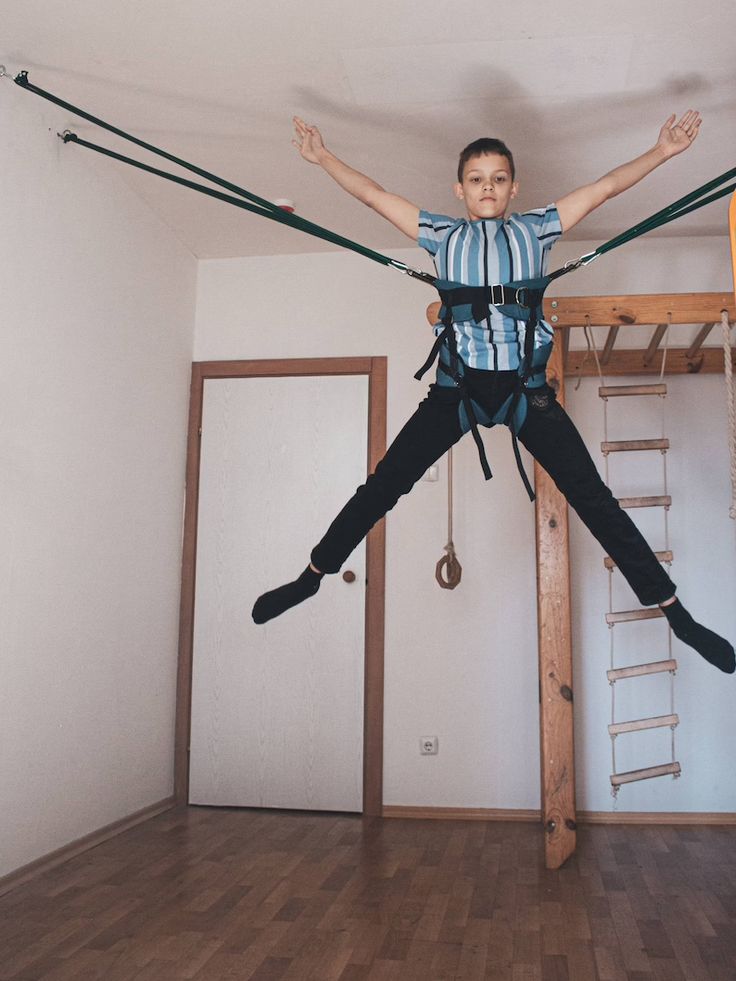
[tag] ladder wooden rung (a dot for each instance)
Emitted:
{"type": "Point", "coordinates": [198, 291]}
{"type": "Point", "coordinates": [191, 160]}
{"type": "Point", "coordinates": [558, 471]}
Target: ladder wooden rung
{"type": "Point", "coordinates": [637, 670]}
{"type": "Point", "coordinates": [611, 391]}
{"type": "Point", "coordinates": [651, 771]}
{"type": "Point", "coordinates": [626, 445]}
{"type": "Point", "coordinates": [661, 557]}
{"type": "Point", "coordinates": [663, 501]}
{"type": "Point", "coordinates": [648, 613]}
{"type": "Point", "coordinates": [636, 725]}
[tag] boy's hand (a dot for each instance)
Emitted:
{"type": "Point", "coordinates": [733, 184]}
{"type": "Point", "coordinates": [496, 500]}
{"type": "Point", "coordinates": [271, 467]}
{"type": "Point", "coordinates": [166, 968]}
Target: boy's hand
{"type": "Point", "coordinates": [676, 137]}
{"type": "Point", "coordinates": [308, 141]}
{"type": "Point", "coordinates": [400, 212]}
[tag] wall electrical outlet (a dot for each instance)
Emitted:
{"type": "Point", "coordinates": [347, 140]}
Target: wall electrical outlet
{"type": "Point", "coordinates": [429, 745]}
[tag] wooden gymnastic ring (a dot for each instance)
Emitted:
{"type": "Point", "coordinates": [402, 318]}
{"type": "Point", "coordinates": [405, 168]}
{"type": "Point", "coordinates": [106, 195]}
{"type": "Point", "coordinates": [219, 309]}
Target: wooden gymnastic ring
{"type": "Point", "coordinates": [453, 569]}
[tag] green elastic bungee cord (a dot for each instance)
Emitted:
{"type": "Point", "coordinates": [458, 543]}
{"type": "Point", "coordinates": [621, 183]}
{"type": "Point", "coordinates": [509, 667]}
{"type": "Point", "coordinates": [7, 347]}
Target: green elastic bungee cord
{"type": "Point", "coordinates": [261, 206]}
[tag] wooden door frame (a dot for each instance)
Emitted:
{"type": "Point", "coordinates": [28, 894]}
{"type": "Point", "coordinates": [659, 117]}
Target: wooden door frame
{"type": "Point", "coordinates": [375, 369]}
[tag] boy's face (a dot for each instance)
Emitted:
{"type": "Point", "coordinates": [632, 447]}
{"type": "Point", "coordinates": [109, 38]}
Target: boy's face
{"type": "Point", "coordinates": [486, 187]}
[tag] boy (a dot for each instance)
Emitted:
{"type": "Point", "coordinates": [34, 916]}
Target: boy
{"type": "Point", "coordinates": [488, 355]}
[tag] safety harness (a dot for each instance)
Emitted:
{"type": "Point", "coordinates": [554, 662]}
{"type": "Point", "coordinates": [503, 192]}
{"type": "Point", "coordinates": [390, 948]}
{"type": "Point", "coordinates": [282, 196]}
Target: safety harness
{"type": "Point", "coordinates": [520, 300]}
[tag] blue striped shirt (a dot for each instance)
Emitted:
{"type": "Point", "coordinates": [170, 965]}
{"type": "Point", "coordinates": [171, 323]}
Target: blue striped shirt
{"type": "Point", "coordinates": [488, 251]}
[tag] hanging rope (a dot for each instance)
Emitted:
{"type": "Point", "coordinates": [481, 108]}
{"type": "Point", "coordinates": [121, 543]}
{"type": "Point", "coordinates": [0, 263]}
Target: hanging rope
{"type": "Point", "coordinates": [731, 404]}
{"type": "Point", "coordinates": [448, 571]}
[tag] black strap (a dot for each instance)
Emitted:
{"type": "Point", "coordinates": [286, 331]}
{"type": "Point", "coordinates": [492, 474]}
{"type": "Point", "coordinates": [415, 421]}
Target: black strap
{"type": "Point", "coordinates": [434, 353]}
{"type": "Point", "coordinates": [535, 300]}
{"type": "Point", "coordinates": [453, 371]}
{"type": "Point", "coordinates": [459, 380]}
{"type": "Point", "coordinates": [480, 298]}
{"type": "Point", "coordinates": [520, 467]}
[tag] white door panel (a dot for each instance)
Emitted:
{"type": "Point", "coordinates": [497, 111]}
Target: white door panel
{"type": "Point", "coordinates": [277, 710]}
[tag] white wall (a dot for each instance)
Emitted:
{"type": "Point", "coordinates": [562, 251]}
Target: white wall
{"type": "Point", "coordinates": [462, 664]}
{"type": "Point", "coordinates": [97, 324]}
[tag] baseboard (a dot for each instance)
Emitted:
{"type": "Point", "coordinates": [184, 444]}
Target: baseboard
{"type": "Point", "coordinates": [460, 813]}
{"type": "Point", "coordinates": [657, 817]}
{"type": "Point", "coordinates": [80, 845]}
{"type": "Point", "coordinates": [583, 817]}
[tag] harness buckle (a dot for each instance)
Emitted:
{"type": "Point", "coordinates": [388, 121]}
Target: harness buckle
{"type": "Point", "coordinates": [496, 295]}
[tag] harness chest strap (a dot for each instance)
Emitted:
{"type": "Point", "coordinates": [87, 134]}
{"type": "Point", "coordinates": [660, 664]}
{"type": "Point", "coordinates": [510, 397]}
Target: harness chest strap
{"type": "Point", "coordinates": [522, 300]}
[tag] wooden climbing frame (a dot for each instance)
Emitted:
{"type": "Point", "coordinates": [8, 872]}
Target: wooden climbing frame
{"type": "Point", "coordinates": [656, 311]}
{"type": "Point", "coordinates": [553, 561]}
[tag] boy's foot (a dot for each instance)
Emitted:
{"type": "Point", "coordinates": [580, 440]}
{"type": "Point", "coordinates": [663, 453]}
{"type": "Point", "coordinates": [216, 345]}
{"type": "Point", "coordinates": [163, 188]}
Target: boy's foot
{"type": "Point", "coordinates": [278, 601]}
{"type": "Point", "coordinates": [709, 645]}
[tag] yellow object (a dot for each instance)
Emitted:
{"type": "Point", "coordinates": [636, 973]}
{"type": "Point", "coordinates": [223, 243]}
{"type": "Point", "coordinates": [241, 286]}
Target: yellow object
{"type": "Point", "coordinates": [732, 234]}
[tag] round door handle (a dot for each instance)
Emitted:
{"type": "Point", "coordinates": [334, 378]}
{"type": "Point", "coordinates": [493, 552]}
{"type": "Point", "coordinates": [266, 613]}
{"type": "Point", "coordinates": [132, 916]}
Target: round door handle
{"type": "Point", "coordinates": [348, 576]}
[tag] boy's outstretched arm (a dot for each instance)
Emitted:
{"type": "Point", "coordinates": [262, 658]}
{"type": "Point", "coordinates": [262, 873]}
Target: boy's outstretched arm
{"type": "Point", "coordinates": [673, 139]}
{"type": "Point", "coordinates": [400, 212]}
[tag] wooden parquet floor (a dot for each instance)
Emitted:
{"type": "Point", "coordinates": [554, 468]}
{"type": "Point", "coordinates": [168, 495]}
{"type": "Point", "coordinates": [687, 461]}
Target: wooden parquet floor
{"type": "Point", "coordinates": [208, 894]}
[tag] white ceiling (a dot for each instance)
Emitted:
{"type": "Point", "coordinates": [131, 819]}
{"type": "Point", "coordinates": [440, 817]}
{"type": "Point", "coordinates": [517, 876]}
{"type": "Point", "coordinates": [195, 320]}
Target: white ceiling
{"type": "Point", "coordinates": [398, 87]}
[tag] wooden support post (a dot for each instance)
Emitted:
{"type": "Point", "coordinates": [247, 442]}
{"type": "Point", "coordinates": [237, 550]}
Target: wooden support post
{"type": "Point", "coordinates": [698, 342]}
{"type": "Point", "coordinates": [610, 341]}
{"type": "Point", "coordinates": [659, 332]}
{"type": "Point", "coordinates": [630, 362]}
{"type": "Point", "coordinates": [650, 308]}
{"type": "Point", "coordinates": [555, 657]}
{"type": "Point", "coordinates": [565, 331]}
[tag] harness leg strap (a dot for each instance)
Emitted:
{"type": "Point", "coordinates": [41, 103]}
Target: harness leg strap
{"type": "Point", "coordinates": [473, 420]}
{"type": "Point", "coordinates": [534, 301]}
{"type": "Point", "coordinates": [520, 467]}
{"type": "Point", "coordinates": [434, 353]}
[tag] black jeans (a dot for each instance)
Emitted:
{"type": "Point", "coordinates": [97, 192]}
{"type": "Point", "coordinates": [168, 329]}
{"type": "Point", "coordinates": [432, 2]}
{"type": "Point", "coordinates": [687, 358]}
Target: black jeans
{"type": "Point", "coordinates": [552, 439]}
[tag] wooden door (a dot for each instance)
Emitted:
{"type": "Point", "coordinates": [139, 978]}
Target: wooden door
{"type": "Point", "coordinates": [277, 711]}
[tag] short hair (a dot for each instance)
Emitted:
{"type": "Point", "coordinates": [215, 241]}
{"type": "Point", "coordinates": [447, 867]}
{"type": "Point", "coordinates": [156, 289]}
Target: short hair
{"type": "Point", "coordinates": [484, 145]}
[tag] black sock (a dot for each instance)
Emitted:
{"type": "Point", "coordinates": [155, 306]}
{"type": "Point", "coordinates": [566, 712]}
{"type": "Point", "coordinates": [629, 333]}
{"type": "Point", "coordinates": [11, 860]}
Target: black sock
{"type": "Point", "coordinates": [713, 648]}
{"type": "Point", "coordinates": [278, 601]}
